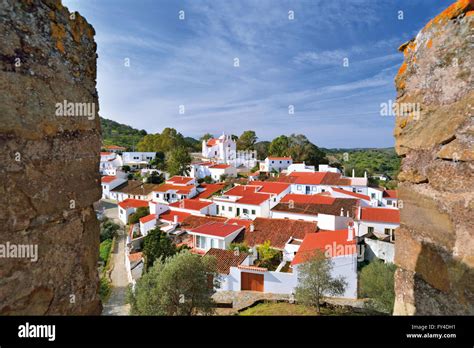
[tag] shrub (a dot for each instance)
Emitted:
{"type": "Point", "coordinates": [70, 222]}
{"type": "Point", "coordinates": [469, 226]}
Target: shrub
{"type": "Point", "coordinates": [141, 212]}
{"type": "Point", "coordinates": [377, 283]}
{"type": "Point", "coordinates": [104, 250]}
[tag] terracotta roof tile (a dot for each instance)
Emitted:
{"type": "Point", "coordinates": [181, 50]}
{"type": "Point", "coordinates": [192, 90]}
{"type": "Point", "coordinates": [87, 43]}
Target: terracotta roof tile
{"type": "Point", "coordinates": [218, 229]}
{"type": "Point", "coordinates": [226, 259]}
{"type": "Point", "coordinates": [133, 203]}
{"type": "Point", "coordinates": [381, 215]}
{"type": "Point", "coordinates": [325, 241]}
{"type": "Point", "coordinates": [277, 231]}
{"type": "Point", "coordinates": [350, 193]}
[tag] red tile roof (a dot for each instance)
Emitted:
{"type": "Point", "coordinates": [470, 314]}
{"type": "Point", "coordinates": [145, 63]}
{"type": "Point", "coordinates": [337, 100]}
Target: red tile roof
{"type": "Point", "coordinates": [225, 259]}
{"type": "Point", "coordinates": [390, 194]}
{"type": "Point", "coordinates": [135, 256]}
{"type": "Point", "coordinates": [108, 178]}
{"type": "Point", "coordinates": [210, 189]}
{"type": "Point", "coordinates": [277, 231]}
{"type": "Point", "coordinates": [179, 180]}
{"type": "Point", "coordinates": [240, 222]}
{"type": "Point", "coordinates": [180, 189]}
{"type": "Point", "coordinates": [169, 216]}
{"type": "Point", "coordinates": [381, 215]}
{"type": "Point", "coordinates": [133, 203]}
{"type": "Point", "coordinates": [308, 178]}
{"type": "Point", "coordinates": [106, 153]}
{"type": "Point", "coordinates": [308, 199]}
{"type": "Point", "coordinates": [271, 187]}
{"type": "Point", "coordinates": [191, 204]}
{"type": "Point", "coordinates": [217, 229]}
{"type": "Point", "coordinates": [248, 194]}
{"type": "Point", "coordinates": [220, 166]}
{"type": "Point", "coordinates": [212, 142]}
{"type": "Point", "coordinates": [193, 221]}
{"type": "Point", "coordinates": [350, 193]}
{"type": "Point", "coordinates": [148, 218]}
{"type": "Point", "coordinates": [334, 242]}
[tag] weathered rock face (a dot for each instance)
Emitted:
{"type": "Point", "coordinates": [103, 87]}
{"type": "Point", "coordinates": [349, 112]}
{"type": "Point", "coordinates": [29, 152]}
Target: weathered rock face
{"type": "Point", "coordinates": [48, 159]}
{"type": "Point", "coordinates": [435, 242]}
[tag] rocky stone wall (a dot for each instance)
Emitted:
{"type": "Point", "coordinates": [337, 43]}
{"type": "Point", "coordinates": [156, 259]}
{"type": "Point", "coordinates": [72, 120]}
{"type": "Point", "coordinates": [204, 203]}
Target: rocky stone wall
{"type": "Point", "coordinates": [48, 160]}
{"type": "Point", "coordinates": [435, 136]}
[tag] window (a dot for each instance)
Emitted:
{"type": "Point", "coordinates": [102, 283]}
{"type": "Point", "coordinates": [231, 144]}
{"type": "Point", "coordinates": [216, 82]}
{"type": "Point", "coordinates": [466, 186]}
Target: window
{"type": "Point", "coordinates": [230, 208]}
{"type": "Point", "coordinates": [389, 202]}
{"type": "Point", "coordinates": [245, 211]}
{"type": "Point", "coordinates": [370, 229]}
{"type": "Point", "coordinates": [173, 195]}
{"type": "Point", "coordinates": [359, 190]}
{"type": "Point", "coordinates": [213, 243]}
{"type": "Point", "coordinates": [274, 199]}
{"type": "Point", "coordinates": [201, 242]}
{"type": "Point", "coordinates": [298, 187]}
{"type": "Point", "coordinates": [157, 195]}
{"type": "Point", "coordinates": [323, 190]}
{"type": "Point", "coordinates": [273, 162]}
{"type": "Point", "coordinates": [253, 212]}
{"type": "Point", "coordinates": [280, 162]}
{"type": "Point", "coordinates": [387, 231]}
{"type": "Point", "coordinates": [372, 195]}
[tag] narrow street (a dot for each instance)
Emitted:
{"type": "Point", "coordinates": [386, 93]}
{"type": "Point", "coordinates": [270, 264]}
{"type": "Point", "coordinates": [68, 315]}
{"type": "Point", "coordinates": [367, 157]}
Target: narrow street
{"type": "Point", "coordinates": [116, 303]}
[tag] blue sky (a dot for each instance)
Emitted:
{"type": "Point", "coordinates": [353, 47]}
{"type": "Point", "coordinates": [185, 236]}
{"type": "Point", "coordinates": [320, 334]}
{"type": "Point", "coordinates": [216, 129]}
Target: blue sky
{"type": "Point", "coordinates": [282, 62]}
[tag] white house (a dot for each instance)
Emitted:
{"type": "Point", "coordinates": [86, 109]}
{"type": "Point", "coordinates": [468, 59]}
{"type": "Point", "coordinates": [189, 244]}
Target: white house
{"type": "Point", "coordinates": [175, 189]}
{"type": "Point", "coordinates": [214, 235]}
{"type": "Point", "coordinates": [128, 207]}
{"type": "Point", "coordinates": [213, 170]}
{"type": "Point", "coordinates": [312, 183]}
{"type": "Point", "coordinates": [339, 246]}
{"type": "Point", "coordinates": [300, 167]}
{"type": "Point", "coordinates": [390, 199]}
{"type": "Point", "coordinates": [329, 212]}
{"type": "Point", "coordinates": [224, 150]}
{"type": "Point", "coordinates": [110, 163]}
{"type": "Point", "coordinates": [147, 223]}
{"type": "Point", "coordinates": [381, 222]}
{"type": "Point", "coordinates": [134, 189]}
{"type": "Point", "coordinates": [277, 164]}
{"type": "Point", "coordinates": [250, 201]}
{"type": "Point", "coordinates": [137, 159]}
{"type": "Point", "coordinates": [108, 183]}
{"type": "Point", "coordinates": [328, 168]}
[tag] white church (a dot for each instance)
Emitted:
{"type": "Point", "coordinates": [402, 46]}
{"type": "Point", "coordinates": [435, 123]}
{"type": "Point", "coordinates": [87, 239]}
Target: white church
{"type": "Point", "coordinates": [224, 150]}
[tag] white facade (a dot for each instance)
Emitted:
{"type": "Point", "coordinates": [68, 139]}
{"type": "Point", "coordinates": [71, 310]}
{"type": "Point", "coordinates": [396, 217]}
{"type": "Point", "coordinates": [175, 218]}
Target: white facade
{"type": "Point", "coordinates": [213, 170]}
{"type": "Point", "coordinates": [108, 186]}
{"type": "Point", "coordinates": [228, 207]}
{"type": "Point", "coordinates": [385, 228]}
{"type": "Point", "coordinates": [300, 167]}
{"type": "Point", "coordinates": [224, 150]}
{"type": "Point", "coordinates": [137, 159]}
{"type": "Point", "coordinates": [328, 168]}
{"type": "Point", "coordinates": [379, 249]}
{"type": "Point", "coordinates": [275, 164]}
{"type": "Point", "coordinates": [204, 242]}
{"type": "Point", "coordinates": [147, 226]}
{"type": "Point", "coordinates": [110, 163]}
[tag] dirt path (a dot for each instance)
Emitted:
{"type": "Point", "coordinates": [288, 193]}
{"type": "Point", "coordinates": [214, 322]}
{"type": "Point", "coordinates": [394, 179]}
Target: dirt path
{"type": "Point", "coordinates": [116, 303]}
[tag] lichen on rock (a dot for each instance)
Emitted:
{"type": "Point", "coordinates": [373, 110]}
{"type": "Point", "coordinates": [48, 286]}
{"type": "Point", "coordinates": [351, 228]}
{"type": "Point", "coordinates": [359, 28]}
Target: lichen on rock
{"type": "Point", "coordinates": [435, 241]}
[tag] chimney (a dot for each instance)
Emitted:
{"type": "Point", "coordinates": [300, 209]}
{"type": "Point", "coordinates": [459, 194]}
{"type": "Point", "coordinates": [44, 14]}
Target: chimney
{"type": "Point", "coordinates": [252, 228]}
{"type": "Point", "coordinates": [350, 233]}
{"type": "Point", "coordinates": [342, 211]}
{"type": "Point", "coordinates": [353, 172]}
{"type": "Point", "coordinates": [347, 213]}
{"type": "Point", "coordinates": [365, 174]}
{"type": "Point", "coordinates": [175, 219]}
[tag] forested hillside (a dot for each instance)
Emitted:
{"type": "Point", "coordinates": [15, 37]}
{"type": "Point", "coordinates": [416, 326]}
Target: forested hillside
{"type": "Point", "coordinates": [114, 133]}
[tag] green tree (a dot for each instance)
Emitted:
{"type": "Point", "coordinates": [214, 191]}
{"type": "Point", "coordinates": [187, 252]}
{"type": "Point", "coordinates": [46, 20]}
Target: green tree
{"type": "Point", "coordinates": [262, 149]}
{"type": "Point", "coordinates": [180, 285]}
{"type": "Point", "coordinates": [267, 255]}
{"type": "Point", "coordinates": [178, 161]}
{"type": "Point", "coordinates": [155, 178]}
{"type": "Point", "coordinates": [377, 283]}
{"type": "Point", "coordinates": [206, 137]}
{"type": "Point", "coordinates": [108, 229]}
{"type": "Point", "coordinates": [135, 217]}
{"type": "Point", "coordinates": [279, 146]}
{"type": "Point", "coordinates": [247, 140]}
{"type": "Point", "coordinates": [157, 246]}
{"type": "Point", "coordinates": [315, 280]}
{"type": "Point", "coordinates": [241, 247]}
